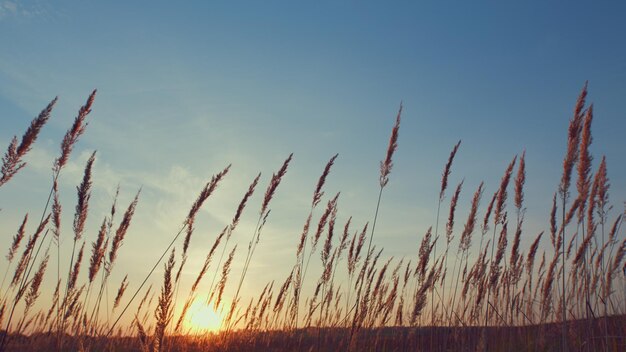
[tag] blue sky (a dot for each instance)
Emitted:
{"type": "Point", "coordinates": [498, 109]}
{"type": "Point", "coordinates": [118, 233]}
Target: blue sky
{"type": "Point", "coordinates": [187, 88]}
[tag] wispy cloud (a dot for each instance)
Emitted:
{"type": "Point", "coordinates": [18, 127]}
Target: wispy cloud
{"type": "Point", "coordinates": [8, 8]}
{"type": "Point", "coordinates": [16, 9]}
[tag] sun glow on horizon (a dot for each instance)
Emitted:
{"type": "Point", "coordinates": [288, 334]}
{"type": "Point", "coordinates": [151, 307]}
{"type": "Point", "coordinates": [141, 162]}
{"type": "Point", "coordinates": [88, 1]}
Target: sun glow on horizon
{"type": "Point", "coordinates": [202, 318]}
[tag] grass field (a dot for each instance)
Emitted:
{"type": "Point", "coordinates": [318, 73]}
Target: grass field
{"type": "Point", "coordinates": [470, 286]}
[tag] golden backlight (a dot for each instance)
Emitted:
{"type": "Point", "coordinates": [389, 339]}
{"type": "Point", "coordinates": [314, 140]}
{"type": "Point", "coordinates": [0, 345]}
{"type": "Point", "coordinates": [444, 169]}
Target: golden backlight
{"type": "Point", "coordinates": [203, 318]}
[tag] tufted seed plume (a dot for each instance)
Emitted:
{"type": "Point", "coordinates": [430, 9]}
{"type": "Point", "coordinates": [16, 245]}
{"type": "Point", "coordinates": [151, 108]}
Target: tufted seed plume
{"type": "Point", "coordinates": [120, 233]}
{"type": "Point", "coordinates": [446, 171]}
{"type": "Point", "coordinates": [120, 292]}
{"type": "Point", "coordinates": [73, 278]}
{"type": "Point", "coordinates": [304, 235]}
{"type": "Point", "coordinates": [280, 299]}
{"type": "Point", "coordinates": [420, 297]}
{"type": "Point", "coordinates": [602, 196]}
{"type": "Point", "coordinates": [407, 274]}
{"type": "Point", "coordinates": [593, 194]}
{"type": "Point", "coordinates": [324, 220]}
{"type": "Point", "coordinates": [222, 284]}
{"type": "Point", "coordinates": [502, 194]}
{"type": "Point", "coordinates": [274, 182]}
{"type": "Point", "coordinates": [614, 266]}
{"type": "Point", "coordinates": [354, 255]}
{"type": "Point", "coordinates": [546, 289]}
{"type": "Point", "coordinates": [56, 212]}
{"type": "Point", "coordinates": [466, 236]}
{"type": "Point", "coordinates": [35, 284]}
{"type": "Point", "coordinates": [12, 160]}
{"type": "Point", "coordinates": [343, 241]}
{"type": "Point", "coordinates": [520, 179]}
{"type": "Point", "coordinates": [82, 206]}
{"type": "Point", "coordinates": [98, 250]}
{"type": "Point", "coordinates": [584, 164]}
{"type": "Point", "coordinates": [553, 238]}
{"type": "Point", "coordinates": [55, 300]}
{"type": "Point", "coordinates": [582, 249]}
{"type": "Point", "coordinates": [17, 239]}
{"type": "Point", "coordinates": [572, 211]}
{"type": "Point", "coordinates": [530, 259]}
{"type": "Point", "coordinates": [208, 189]}
{"type": "Point", "coordinates": [515, 257]}
{"type": "Point", "coordinates": [72, 135]}
{"type": "Point", "coordinates": [318, 194]}
{"type": "Point", "coordinates": [424, 255]}
{"type": "Point", "coordinates": [242, 204]}
{"type": "Point", "coordinates": [573, 138]}
{"type": "Point", "coordinates": [23, 262]}
{"type": "Point", "coordinates": [381, 276]}
{"type": "Point", "coordinates": [163, 313]}
{"type": "Point", "coordinates": [453, 203]}
{"type": "Point", "coordinates": [325, 255]}
{"type": "Point", "coordinates": [495, 265]}
{"type": "Point", "coordinates": [387, 164]}
{"type": "Point", "coordinates": [485, 226]}
{"type": "Point", "coordinates": [207, 260]}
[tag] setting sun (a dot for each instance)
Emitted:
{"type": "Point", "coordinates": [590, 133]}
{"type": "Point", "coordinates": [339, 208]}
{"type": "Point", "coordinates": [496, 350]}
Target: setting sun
{"type": "Point", "coordinates": [203, 318]}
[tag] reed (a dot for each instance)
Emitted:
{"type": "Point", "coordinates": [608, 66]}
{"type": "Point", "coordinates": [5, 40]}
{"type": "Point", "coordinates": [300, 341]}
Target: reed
{"type": "Point", "coordinates": [509, 292]}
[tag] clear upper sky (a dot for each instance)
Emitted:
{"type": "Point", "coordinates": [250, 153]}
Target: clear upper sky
{"type": "Point", "coordinates": [185, 88]}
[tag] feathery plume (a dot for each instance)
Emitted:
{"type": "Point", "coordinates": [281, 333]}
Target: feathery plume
{"type": "Point", "coordinates": [72, 135]}
{"type": "Point", "coordinates": [120, 292]}
{"type": "Point", "coordinates": [282, 293]}
{"type": "Point", "coordinates": [602, 196]}
{"type": "Point", "coordinates": [56, 212]}
{"type": "Point", "coordinates": [530, 259]}
{"type": "Point", "coordinates": [12, 160]}
{"type": "Point", "coordinates": [243, 203]}
{"type": "Point", "coordinates": [318, 194]}
{"type": "Point", "coordinates": [207, 260]}
{"type": "Point", "coordinates": [520, 179]}
{"type": "Point", "coordinates": [584, 163]}
{"type": "Point", "coordinates": [355, 256]}
{"type": "Point", "coordinates": [23, 262]}
{"type": "Point", "coordinates": [17, 239]}
{"type": "Point", "coordinates": [84, 193]}
{"type": "Point", "coordinates": [323, 220]}
{"type": "Point", "coordinates": [553, 229]}
{"type": "Point", "coordinates": [446, 170]}
{"type": "Point", "coordinates": [222, 284]}
{"type": "Point", "coordinates": [98, 249]}
{"type": "Point", "coordinates": [208, 189]}
{"type": "Point", "coordinates": [466, 236]}
{"type": "Point", "coordinates": [495, 265]}
{"type": "Point", "coordinates": [387, 164]}
{"type": "Point", "coordinates": [325, 255]}
{"type": "Point", "coordinates": [424, 255]}
{"type": "Point", "coordinates": [614, 266]}
{"type": "Point", "coordinates": [274, 182]}
{"type": "Point", "coordinates": [453, 203]}
{"type": "Point", "coordinates": [501, 199]}
{"type": "Point", "coordinates": [76, 270]}
{"type": "Point", "coordinates": [33, 292]}
{"type": "Point", "coordinates": [485, 226]}
{"type": "Point", "coordinates": [122, 228]}
{"type": "Point", "coordinates": [163, 313]}
{"type": "Point", "coordinates": [573, 138]}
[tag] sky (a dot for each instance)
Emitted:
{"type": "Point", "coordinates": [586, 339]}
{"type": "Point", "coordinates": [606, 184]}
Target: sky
{"type": "Point", "coordinates": [186, 88]}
